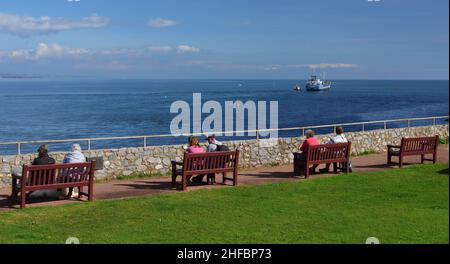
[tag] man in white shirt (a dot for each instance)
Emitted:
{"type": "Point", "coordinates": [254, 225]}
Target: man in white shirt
{"type": "Point", "coordinates": [338, 138]}
{"type": "Point", "coordinates": [213, 143]}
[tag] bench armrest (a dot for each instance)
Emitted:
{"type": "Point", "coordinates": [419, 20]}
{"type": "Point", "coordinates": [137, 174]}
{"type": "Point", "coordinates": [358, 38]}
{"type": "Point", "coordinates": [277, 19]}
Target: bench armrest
{"type": "Point", "coordinates": [16, 176]}
{"type": "Point", "coordinates": [175, 163]}
{"type": "Point", "coordinates": [393, 146]}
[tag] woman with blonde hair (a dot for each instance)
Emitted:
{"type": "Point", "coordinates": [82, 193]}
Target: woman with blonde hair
{"type": "Point", "coordinates": [194, 146]}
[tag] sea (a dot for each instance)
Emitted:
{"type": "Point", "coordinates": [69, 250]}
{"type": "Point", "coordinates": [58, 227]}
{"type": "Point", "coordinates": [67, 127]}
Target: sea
{"type": "Point", "coordinates": [41, 109]}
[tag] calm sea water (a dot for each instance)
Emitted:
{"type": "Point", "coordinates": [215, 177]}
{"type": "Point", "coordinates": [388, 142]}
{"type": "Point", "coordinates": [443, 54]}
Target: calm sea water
{"type": "Point", "coordinates": [38, 109]}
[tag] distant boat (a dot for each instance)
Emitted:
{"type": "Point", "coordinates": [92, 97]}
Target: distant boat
{"type": "Point", "coordinates": [316, 84]}
{"type": "Point", "coordinates": [297, 87]}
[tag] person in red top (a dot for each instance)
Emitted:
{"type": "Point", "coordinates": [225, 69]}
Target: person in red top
{"type": "Point", "coordinates": [309, 141]}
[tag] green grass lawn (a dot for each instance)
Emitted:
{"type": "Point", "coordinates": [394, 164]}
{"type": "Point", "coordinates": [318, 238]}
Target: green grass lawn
{"type": "Point", "coordinates": [397, 206]}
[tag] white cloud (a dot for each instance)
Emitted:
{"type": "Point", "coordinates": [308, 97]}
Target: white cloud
{"type": "Point", "coordinates": [57, 51]}
{"type": "Point", "coordinates": [43, 51]}
{"type": "Point", "coordinates": [161, 22]}
{"type": "Point", "coordinates": [28, 26]}
{"type": "Point", "coordinates": [187, 49]}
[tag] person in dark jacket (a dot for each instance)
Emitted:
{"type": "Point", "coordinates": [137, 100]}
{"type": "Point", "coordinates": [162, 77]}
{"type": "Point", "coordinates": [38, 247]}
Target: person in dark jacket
{"type": "Point", "coordinates": [43, 157]}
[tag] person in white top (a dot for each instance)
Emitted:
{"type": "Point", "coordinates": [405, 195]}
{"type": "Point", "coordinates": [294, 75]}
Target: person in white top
{"type": "Point", "coordinates": [338, 138]}
{"type": "Point", "coordinates": [213, 144]}
{"type": "Point", "coordinates": [75, 156]}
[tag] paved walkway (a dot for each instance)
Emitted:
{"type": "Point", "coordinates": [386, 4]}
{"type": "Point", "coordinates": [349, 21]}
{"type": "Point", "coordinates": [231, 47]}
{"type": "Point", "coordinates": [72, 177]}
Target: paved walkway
{"type": "Point", "coordinates": [140, 187]}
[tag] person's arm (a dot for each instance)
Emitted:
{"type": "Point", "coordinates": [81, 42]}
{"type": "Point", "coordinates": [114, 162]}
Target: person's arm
{"type": "Point", "coordinates": [304, 146]}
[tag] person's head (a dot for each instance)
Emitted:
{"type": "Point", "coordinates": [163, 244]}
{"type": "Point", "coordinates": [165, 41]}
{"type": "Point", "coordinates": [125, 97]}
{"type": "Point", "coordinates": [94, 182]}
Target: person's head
{"type": "Point", "coordinates": [43, 150]}
{"type": "Point", "coordinates": [193, 141]}
{"type": "Point", "coordinates": [211, 139]}
{"type": "Point", "coordinates": [309, 134]}
{"type": "Point", "coordinates": [339, 130]}
{"type": "Point", "coordinates": [76, 148]}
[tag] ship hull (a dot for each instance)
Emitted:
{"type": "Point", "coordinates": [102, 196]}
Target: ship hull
{"type": "Point", "coordinates": [316, 88]}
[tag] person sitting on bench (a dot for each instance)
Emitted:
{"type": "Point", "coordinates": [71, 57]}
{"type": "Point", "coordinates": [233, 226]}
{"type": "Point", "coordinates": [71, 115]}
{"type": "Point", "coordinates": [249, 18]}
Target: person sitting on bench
{"type": "Point", "coordinates": [43, 157]}
{"type": "Point", "coordinates": [75, 156]}
{"type": "Point", "coordinates": [213, 144]}
{"type": "Point", "coordinates": [338, 138]}
{"type": "Point", "coordinates": [194, 147]}
{"type": "Point", "coordinates": [309, 141]}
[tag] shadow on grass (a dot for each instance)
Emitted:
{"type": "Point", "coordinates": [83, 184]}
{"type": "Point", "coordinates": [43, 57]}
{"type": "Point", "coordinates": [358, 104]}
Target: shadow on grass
{"type": "Point", "coordinates": [444, 171]}
{"type": "Point", "coordinates": [7, 203]}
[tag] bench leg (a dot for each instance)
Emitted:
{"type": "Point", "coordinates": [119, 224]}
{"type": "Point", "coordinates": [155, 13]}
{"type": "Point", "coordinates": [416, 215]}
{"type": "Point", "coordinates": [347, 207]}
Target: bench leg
{"type": "Point", "coordinates": [347, 167]}
{"type": "Point", "coordinates": [235, 178]}
{"type": "Point", "coordinates": [296, 166]}
{"type": "Point", "coordinates": [400, 161]}
{"type": "Point", "coordinates": [90, 195]}
{"type": "Point", "coordinates": [174, 175]}
{"type": "Point", "coordinates": [422, 158]}
{"type": "Point", "coordinates": [174, 180]}
{"type": "Point", "coordinates": [14, 192]}
{"type": "Point", "coordinates": [389, 158]}
{"type": "Point", "coordinates": [183, 183]}
{"type": "Point", "coordinates": [307, 171]}
{"type": "Point", "coordinates": [80, 191]}
{"type": "Point", "coordinates": [434, 158]}
{"type": "Point", "coordinates": [91, 191]}
{"type": "Point", "coordinates": [23, 197]}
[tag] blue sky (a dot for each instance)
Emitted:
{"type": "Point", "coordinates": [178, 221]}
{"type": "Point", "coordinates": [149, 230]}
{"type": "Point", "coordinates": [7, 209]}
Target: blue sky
{"type": "Point", "coordinates": [352, 39]}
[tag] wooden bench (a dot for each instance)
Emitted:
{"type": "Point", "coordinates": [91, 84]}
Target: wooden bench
{"type": "Point", "coordinates": [204, 163]}
{"type": "Point", "coordinates": [412, 147]}
{"type": "Point", "coordinates": [56, 176]}
{"type": "Point", "coordinates": [323, 154]}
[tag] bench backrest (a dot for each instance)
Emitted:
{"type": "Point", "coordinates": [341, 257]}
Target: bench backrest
{"type": "Point", "coordinates": [58, 174]}
{"type": "Point", "coordinates": [419, 144]}
{"type": "Point", "coordinates": [328, 153]}
{"type": "Point", "coordinates": [210, 162]}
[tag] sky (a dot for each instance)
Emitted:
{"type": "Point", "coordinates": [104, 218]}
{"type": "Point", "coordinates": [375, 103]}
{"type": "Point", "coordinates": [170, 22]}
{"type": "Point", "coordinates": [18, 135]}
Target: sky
{"type": "Point", "coordinates": [283, 39]}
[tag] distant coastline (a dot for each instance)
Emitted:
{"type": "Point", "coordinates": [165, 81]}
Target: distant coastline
{"type": "Point", "coordinates": [20, 76]}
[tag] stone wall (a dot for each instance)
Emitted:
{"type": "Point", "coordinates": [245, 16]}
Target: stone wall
{"type": "Point", "coordinates": [126, 161]}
